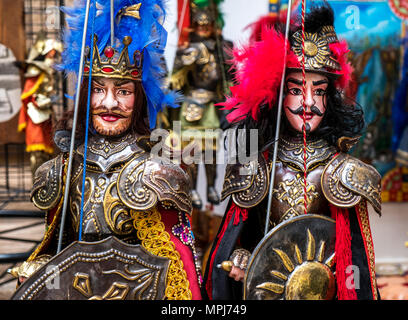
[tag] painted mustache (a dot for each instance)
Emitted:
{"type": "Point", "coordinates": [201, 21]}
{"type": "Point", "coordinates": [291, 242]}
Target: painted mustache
{"type": "Point", "coordinates": [114, 111]}
{"type": "Point", "coordinates": [313, 109]}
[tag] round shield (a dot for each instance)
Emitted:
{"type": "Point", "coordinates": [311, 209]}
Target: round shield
{"type": "Point", "coordinates": [294, 261]}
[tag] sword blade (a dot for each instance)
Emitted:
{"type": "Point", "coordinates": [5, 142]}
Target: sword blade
{"type": "Point", "coordinates": [74, 124]}
{"type": "Point", "coordinates": [278, 121]}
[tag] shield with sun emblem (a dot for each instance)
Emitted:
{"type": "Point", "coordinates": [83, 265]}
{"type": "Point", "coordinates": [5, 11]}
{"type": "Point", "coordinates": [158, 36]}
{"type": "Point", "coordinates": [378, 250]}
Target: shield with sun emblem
{"type": "Point", "coordinates": [105, 270]}
{"type": "Point", "coordinates": [294, 261]}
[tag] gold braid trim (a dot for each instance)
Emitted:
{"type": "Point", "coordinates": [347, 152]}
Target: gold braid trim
{"type": "Point", "coordinates": [154, 238]}
{"type": "Point", "coordinates": [368, 242]}
{"type": "Point", "coordinates": [50, 229]}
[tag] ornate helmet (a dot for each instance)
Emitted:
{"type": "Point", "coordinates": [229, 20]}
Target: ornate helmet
{"type": "Point", "coordinates": [323, 51]}
{"type": "Point", "coordinates": [201, 15]}
{"type": "Point", "coordinates": [259, 65]}
{"type": "Point", "coordinates": [37, 60]}
{"type": "Point", "coordinates": [205, 12]}
{"type": "Point", "coordinates": [127, 43]}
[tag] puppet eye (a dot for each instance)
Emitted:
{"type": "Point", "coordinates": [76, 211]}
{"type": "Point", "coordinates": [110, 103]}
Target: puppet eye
{"type": "Point", "coordinates": [295, 91]}
{"type": "Point", "coordinates": [320, 92]}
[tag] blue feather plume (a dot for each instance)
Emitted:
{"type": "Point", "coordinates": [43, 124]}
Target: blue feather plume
{"type": "Point", "coordinates": [148, 36]}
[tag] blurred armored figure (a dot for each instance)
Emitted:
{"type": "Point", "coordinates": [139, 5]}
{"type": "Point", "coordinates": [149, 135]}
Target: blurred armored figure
{"type": "Point", "coordinates": [200, 73]}
{"type": "Point", "coordinates": [39, 95]}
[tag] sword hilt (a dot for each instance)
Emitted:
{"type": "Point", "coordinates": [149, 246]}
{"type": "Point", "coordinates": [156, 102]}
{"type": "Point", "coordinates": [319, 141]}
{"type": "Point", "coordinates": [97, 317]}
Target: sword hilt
{"type": "Point", "coordinates": [226, 265]}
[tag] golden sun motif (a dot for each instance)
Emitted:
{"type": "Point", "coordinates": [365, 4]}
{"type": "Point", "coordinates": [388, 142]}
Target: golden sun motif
{"type": "Point", "coordinates": [317, 51]}
{"type": "Point", "coordinates": [308, 277]}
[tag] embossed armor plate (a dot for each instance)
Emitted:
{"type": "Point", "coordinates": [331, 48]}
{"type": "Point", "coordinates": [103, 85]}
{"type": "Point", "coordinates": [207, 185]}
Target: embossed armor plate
{"type": "Point", "coordinates": [294, 261]}
{"type": "Point", "coordinates": [103, 270]}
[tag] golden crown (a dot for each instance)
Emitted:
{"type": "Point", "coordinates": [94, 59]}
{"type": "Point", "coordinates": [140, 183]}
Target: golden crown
{"type": "Point", "coordinates": [114, 64]}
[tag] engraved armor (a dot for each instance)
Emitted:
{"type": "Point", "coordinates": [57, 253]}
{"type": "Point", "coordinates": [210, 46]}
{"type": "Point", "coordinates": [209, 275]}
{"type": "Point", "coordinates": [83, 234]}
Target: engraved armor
{"type": "Point", "coordinates": [288, 192]}
{"type": "Point", "coordinates": [47, 184]}
{"type": "Point", "coordinates": [144, 182]}
{"type": "Point", "coordinates": [341, 180]}
{"type": "Point", "coordinates": [247, 183]}
{"type": "Point", "coordinates": [200, 56]}
{"type": "Point", "coordinates": [347, 180]}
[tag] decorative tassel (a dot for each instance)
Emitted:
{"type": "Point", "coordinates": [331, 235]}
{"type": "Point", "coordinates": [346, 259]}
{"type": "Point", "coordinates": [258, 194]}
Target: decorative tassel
{"type": "Point", "coordinates": [343, 253]}
{"type": "Point", "coordinates": [239, 212]}
{"type": "Point", "coordinates": [234, 212]}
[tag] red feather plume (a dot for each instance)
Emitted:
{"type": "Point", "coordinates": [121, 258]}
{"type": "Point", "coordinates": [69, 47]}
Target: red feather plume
{"type": "Point", "coordinates": [258, 68]}
{"type": "Point", "coordinates": [340, 51]}
{"type": "Point", "coordinates": [259, 72]}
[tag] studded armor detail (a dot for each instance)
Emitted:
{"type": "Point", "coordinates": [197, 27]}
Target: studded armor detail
{"type": "Point", "coordinates": [346, 180]}
{"type": "Point", "coordinates": [247, 183]}
{"type": "Point", "coordinates": [120, 177]}
{"type": "Point", "coordinates": [341, 180]}
{"type": "Point", "coordinates": [47, 187]}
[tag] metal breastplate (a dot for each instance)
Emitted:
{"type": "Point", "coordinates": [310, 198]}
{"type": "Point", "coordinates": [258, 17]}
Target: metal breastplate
{"type": "Point", "coordinates": [206, 74]}
{"type": "Point", "coordinates": [332, 177]}
{"type": "Point", "coordinates": [288, 194]}
{"type": "Point", "coordinates": [104, 214]}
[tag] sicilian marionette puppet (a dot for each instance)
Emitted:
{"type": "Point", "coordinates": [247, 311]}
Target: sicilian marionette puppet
{"type": "Point", "coordinates": [296, 225]}
{"type": "Point", "coordinates": [38, 97]}
{"type": "Point", "coordinates": [117, 213]}
{"type": "Point", "coordinates": [201, 73]}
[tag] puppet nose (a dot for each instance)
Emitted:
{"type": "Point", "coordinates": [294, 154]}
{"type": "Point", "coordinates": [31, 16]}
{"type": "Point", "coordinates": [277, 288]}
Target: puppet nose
{"type": "Point", "coordinates": [110, 100]}
{"type": "Point", "coordinates": [309, 100]}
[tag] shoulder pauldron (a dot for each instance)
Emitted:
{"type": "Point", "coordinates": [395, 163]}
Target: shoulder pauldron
{"type": "Point", "coordinates": [48, 183]}
{"type": "Point", "coordinates": [144, 181]}
{"type": "Point", "coordinates": [247, 183]}
{"type": "Point", "coordinates": [345, 180]}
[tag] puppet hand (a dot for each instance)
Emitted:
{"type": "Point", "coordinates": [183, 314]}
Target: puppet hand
{"type": "Point", "coordinates": [21, 279]}
{"type": "Point", "coordinates": [239, 259]}
{"type": "Point", "coordinates": [237, 274]}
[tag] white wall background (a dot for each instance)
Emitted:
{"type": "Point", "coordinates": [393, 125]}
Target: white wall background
{"type": "Point", "coordinates": [390, 233]}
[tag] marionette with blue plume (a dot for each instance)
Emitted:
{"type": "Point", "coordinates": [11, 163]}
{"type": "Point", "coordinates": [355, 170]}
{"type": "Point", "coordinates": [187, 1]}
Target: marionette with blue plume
{"type": "Point", "coordinates": [137, 41]}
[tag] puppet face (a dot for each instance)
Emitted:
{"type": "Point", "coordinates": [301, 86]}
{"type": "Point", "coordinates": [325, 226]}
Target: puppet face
{"type": "Point", "coordinates": [204, 31]}
{"type": "Point", "coordinates": [112, 105]}
{"type": "Point", "coordinates": [315, 100]}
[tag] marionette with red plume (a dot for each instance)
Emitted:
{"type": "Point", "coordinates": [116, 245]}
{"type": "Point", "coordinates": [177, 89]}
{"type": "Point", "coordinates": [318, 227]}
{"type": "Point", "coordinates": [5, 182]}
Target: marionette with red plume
{"type": "Point", "coordinates": [253, 101]}
{"type": "Point", "coordinates": [260, 65]}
